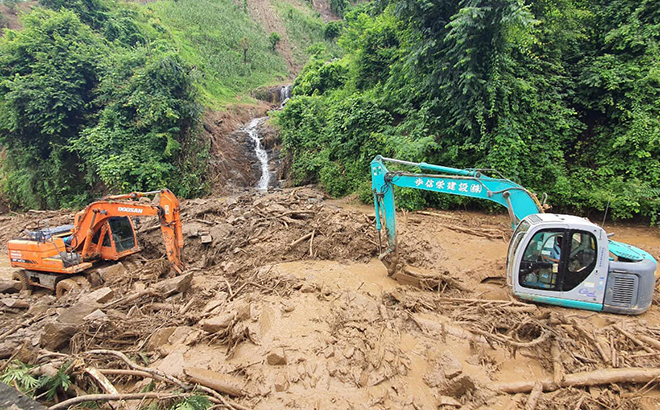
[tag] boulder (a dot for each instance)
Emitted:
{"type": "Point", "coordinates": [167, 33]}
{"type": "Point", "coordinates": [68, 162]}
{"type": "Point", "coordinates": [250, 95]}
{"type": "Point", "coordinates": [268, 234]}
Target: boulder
{"type": "Point", "coordinates": [276, 357]}
{"type": "Point", "coordinates": [76, 314]}
{"type": "Point", "coordinates": [96, 315]}
{"type": "Point", "coordinates": [101, 295]}
{"type": "Point", "coordinates": [113, 272]}
{"type": "Point", "coordinates": [160, 338]}
{"type": "Point", "coordinates": [173, 364]}
{"type": "Point", "coordinates": [10, 286]}
{"type": "Point", "coordinates": [450, 365]}
{"type": "Point", "coordinates": [15, 303]}
{"type": "Point", "coordinates": [281, 382]}
{"type": "Point", "coordinates": [56, 335]}
{"type": "Point", "coordinates": [173, 285]}
{"type": "Point", "coordinates": [217, 323]}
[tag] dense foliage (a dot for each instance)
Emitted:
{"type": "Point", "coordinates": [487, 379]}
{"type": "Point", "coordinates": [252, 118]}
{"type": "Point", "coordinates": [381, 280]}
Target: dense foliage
{"type": "Point", "coordinates": [90, 103]}
{"type": "Point", "coordinates": [559, 95]}
{"type": "Point", "coordinates": [101, 96]}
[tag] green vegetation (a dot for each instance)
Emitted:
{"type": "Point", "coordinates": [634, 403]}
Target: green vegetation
{"type": "Point", "coordinates": [90, 108]}
{"type": "Point", "coordinates": [19, 374]}
{"type": "Point", "coordinates": [101, 96]}
{"type": "Point", "coordinates": [560, 96]}
{"type": "Point", "coordinates": [304, 29]}
{"type": "Point", "coordinates": [274, 39]}
{"type": "Point", "coordinates": [221, 40]}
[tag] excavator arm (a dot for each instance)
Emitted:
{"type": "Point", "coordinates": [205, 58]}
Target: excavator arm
{"type": "Point", "coordinates": [94, 216]}
{"type": "Point", "coordinates": [464, 182]}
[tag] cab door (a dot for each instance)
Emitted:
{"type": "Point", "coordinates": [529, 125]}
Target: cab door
{"type": "Point", "coordinates": [559, 266]}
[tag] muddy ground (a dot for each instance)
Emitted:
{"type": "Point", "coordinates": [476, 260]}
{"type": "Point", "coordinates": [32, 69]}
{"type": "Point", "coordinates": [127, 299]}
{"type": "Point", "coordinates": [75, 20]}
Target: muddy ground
{"type": "Point", "coordinates": [284, 304]}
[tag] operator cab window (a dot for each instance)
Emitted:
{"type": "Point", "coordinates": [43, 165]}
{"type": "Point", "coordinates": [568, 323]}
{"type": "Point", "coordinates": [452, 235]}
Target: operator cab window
{"type": "Point", "coordinates": [582, 259]}
{"type": "Point", "coordinates": [558, 260]}
{"type": "Point", "coordinates": [122, 233]}
{"type": "Point", "coordinates": [539, 268]}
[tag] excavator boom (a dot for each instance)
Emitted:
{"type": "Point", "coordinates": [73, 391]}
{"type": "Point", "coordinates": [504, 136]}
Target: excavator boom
{"type": "Point", "coordinates": [464, 182]}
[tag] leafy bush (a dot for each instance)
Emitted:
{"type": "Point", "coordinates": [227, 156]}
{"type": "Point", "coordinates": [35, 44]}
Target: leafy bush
{"type": "Point", "coordinates": [333, 29]}
{"type": "Point", "coordinates": [84, 110]}
{"type": "Point", "coordinates": [274, 39]}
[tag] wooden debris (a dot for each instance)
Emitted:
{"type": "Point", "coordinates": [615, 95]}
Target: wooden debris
{"type": "Point", "coordinates": [594, 378]}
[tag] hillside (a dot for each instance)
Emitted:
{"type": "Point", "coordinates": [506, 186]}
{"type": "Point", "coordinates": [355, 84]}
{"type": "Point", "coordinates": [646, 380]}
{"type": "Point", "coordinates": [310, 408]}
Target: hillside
{"type": "Point", "coordinates": [560, 96]}
{"type": "Point", "coordinates": [105, 96]}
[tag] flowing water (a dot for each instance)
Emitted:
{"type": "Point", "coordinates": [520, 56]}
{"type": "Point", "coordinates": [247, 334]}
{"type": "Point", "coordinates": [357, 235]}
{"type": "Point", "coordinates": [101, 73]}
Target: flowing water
{"type": "Point", "coordinates": [285, 94]}
{"type": "Point", "coordinates": [262, 155]}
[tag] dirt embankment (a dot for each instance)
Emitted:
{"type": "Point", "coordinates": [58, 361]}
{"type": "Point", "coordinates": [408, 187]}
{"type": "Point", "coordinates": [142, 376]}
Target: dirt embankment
{"type": "Point", "coordinates": [285, 305]}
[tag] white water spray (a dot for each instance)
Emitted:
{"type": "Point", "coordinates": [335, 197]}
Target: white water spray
{"type": "Point", "coordinates": [261, 153]}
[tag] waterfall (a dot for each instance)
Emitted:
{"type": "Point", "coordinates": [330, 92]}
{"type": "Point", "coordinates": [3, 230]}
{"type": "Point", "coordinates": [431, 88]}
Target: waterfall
{"type": "Point", "coordinates": [262, 155]}
{"type": "Point", "coordinates": [285, 94]}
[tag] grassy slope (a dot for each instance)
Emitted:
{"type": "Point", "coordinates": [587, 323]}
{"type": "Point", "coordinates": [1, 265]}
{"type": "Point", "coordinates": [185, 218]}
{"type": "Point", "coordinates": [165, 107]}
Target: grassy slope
{"type": "Point", "coordinates": [209, 34]}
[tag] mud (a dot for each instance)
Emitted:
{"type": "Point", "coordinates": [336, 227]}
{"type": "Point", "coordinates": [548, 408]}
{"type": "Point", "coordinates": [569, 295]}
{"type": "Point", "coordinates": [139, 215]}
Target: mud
{"type": "Point", "coordinates": [289, 307]}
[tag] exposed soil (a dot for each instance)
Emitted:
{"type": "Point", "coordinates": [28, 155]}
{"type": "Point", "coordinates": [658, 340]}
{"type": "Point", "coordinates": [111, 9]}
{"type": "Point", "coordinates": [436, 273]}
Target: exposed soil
{"type": "Point", "coordinates": [288, 307]}
{"type": "Point", "coordinates": [10, 15]}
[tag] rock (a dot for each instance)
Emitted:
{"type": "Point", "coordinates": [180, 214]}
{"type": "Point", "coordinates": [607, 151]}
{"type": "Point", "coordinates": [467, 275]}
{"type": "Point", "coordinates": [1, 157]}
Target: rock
{"type": "Point", "coordinates": [173, 364]}
{"type": "Point", "coordinates": [15, 303]}
{"type": "Point", "coordinates": [76, 313]}
{"type": "Point", "coordinates": [220, 232]}
{"type": "Point", "coordinates": [7, 349]}
{"type": "Point", "coordinates": [56, 335]}
{"type": "Point", "coordinates": [217, 323]}
{"type": "Point", "coordinates": [308, 287]}
{"type": "Point", "coordinates": [220, 382]}
{"type": "Point", "coordinates": [288, 306]}
{"type": "Point", "coordinates": [206, 239]}
{"type": "Point", "coordinates": [276, 358]}
{"type": "Point", "coordinates": [102, 295]}
{"type": "Point", "coordinates": [159, 338]}
{"type": "Point", "coordinates": [448, 401]}
{"type": "Point", "coordinates": [10, 286]}
{"type": "Point", "coordinates": [218, 301]}
{"type": "Point", "coordinates": [281, 382]}
{"type": "Point", "coordinates": [173, 285]}
{"type": "Point", "coordinates": [112, 272]}
{"type": "Point", "coordinates": [458, 386]}
{"type": "Point", "coordinates": [97, 315]}
{"type": "Point", "coordinates": [41, 305]}
{"type": "Point", "coordinates": [192, 229]}
{"type": "Point", "coordinates": [450, 365]}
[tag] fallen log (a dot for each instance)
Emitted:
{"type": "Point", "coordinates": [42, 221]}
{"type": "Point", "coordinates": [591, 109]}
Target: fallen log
{"type": "Point", "coordinates": [220, 382]}
{"type": "Point", "coordinates": [634, 339]}
{"type": "Point", "coordinates": [116, 397]}
{"type": "Point", "coordinates": [582, 379]}
{"type": "Point", "coordinates": [534, 397]}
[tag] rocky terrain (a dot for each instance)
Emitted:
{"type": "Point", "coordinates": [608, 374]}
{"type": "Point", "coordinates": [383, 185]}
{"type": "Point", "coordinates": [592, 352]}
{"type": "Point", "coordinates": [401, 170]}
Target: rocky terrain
{"type": "Point", "coordinates": [284, 304]}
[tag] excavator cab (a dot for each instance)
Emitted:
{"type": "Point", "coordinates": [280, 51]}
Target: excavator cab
{"type": "Point", "coordinates": [566, 260]}
{"type": "Point", "coordinates": [117, 237]}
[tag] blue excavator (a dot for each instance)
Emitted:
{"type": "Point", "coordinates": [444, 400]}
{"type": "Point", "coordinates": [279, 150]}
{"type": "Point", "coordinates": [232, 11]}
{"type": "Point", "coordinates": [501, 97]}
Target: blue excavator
{"type": "Point", "coordinates": [554, 259]}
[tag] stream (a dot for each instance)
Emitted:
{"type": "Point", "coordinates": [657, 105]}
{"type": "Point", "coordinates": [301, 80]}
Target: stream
{"type": "Point", "coordinates": [252, 130]}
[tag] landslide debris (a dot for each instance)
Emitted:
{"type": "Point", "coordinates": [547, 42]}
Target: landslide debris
{"type": "Point", "coordinates": [283, 305]}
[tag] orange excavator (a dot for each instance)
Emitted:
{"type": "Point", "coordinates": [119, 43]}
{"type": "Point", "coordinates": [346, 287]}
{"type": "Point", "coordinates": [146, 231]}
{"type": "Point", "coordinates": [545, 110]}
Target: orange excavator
{"type": "Point", "coordinates": [60, 258]}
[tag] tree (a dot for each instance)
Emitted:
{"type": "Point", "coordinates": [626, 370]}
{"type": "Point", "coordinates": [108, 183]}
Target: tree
{"type": "Point", "coordinates": [48, 72]}
{"type": "Point", "coordinates": [245, 45]}
{"type": "Point", "coordinates": [274, 39]}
